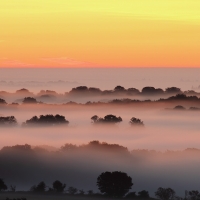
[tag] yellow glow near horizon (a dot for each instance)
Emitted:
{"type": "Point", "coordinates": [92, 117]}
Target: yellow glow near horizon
{"type": "Point", "coordinates": [106, 33]}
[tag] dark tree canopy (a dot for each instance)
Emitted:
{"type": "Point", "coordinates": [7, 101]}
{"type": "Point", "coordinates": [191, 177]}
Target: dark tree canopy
{"type": "Point", "coordinates": [41, 187]}
{"type": "Point", "coordinates": [8, 121]}
{"type": "Point", "coordinates": [30, 100]}
{"type": "Point", "coordinates": [136, 122]}
{"type": "Point", "coordinates": [2, 101]}
{"type": "Point", "coordinates": [179, 107]}
{"type": "Point", "coordinates": [165, 193]}
{"type": "Point", "coordinates": [119, 88]}
{"type": "Point", "coordinates": [114, 184]}
{"type": "Point", "coordinates": [58, 186]}
{"type": "Point", "coordinates": [143, 194]}
{"type": "Point", "coordinates": [95, 146]}
{"type": "Point", "coordinates": [79, 89]}
{"type": "Point", "coordinates": [148, 90]}
{"type": "Point", "coordinates": [173, 90]}
{"type": "Point", "coordinates": [23, 90]}
{"type": "Point", "coordinates": [47, 120]}
{"type": "Point", "coordinates": [152, 90]}
{"type": "Point", "coordinates": [3, 186]}
{"type": "Point", "coordinates": [72, 190]}
{"type": "Point", "coordinates": [133, 91]}
{"type": "Point", "coordinates": [94, 90]}
{"type": "Point", "coordinates": [108, 119]}
{"type": "Point", "coordinates": [194, 195]}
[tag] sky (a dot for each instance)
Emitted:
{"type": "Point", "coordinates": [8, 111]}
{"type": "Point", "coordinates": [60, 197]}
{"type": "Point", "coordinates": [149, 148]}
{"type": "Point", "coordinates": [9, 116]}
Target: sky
{"type": "Point", "coordinates": [106, 33]}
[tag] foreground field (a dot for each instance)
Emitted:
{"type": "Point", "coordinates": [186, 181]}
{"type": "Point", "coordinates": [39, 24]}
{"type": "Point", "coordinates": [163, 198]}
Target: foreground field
{"type": "Point", "coordinates": [31, 196]}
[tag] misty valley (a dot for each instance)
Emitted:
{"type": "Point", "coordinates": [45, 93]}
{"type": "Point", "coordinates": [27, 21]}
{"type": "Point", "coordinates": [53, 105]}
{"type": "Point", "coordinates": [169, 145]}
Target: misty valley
{"type": "Point", "coordinates": [151, 136]}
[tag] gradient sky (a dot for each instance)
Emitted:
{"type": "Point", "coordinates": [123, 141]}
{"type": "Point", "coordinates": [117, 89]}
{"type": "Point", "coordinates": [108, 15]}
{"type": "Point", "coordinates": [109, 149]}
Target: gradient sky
{"type": "Point", "coordinates": [100, 33]}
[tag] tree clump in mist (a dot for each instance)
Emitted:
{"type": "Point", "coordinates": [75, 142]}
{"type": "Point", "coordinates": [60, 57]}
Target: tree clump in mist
{"type": "Point", "coordinates": [95, 146]}
{"type": "Point", "coordinates": [46, 120]}
{"type": "Point", "coordinates": [114, 184]}
{"type": "Point", "coordinates": [120, 90]}
{"type": "Point", "coordinates": [136, 122]}
{"type": "Point", "coordinates": [108, 119]}
{"type": "Point", "coordinates": [179, 107]}
{"type": "Point", "coordinates": [23, 90]}
{"type": "Point", "coordinates": [173, 90]}
{"type": "Point", "coordinates": [152, 91]}
{"type": "Point", "coordinates": [183, 97]}
{"type": "Point", "coordinates": [194, 108]}
{"type": "Point", "coordinates": [17, 149]}
{"type": "Point", "coordinates": [29, 100]}
{"type": "Point", "coordinates": [2, 102]}
{"type": "Point", "coordinates": [47, 92]}
{"type": "Point", "coordinates": [84, 90]}
{"type": "Point", "coordinates": [8, 121]}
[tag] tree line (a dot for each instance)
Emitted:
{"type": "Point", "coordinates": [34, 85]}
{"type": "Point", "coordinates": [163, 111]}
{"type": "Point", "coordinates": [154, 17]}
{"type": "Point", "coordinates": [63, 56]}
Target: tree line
{"type": "Point", "coordinates": [177, 97]}
{"type": "Point", "coordinates": [118, 90]}
{"type": "Point", "coordinates": [55, 120]}
{"type": "Point", "coordinates": [114, 184]}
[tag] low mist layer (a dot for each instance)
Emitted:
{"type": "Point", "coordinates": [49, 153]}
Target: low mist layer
{"type": "Point", "coordinates": [79, 166]}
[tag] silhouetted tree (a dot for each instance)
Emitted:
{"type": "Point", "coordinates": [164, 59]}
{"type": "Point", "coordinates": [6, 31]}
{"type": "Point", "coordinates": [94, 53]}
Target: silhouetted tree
{"type": "Point", "coordinates": [179, 107]}
{"type": "Point", "coordinates": [173, 90]}
{"type": "Point", "coordinates": [8, 121]}
{"type": "Point", "coordinates": [47, 120]}
{"type": "Point", "coordinates": [112, 119]}
{"type": "Point", "coordinates": [148, 90]}
{"type": "Point", "coordinates": [94, 90]}
{"type": "Point", "coordinates": [79, 90]}
{"type": "Point", "coordinates": [143, 194]}
{"type": "Point", "coordinates": [194, 195]}
{"type": "Point", "coordinates": [194, 108]}
{"type": "Point", "coordinates": [119, 89]}
{"type": "Point", "coordinates": [152, 91]}
{"type": "Point", "coordinates": [23, 90]}
{"type": "Point", "coordinates": [41, 187]}
{"type": "Point", "coordinates": [136, 122]}
{"type": "Point", "coordinates": [81, 192]}
{"type": "Point", "coordinates": [2, 102]}
{"type": "Point", "coordinates": [180, 97]}
{"type": "Point", "coordinates": [115, 184]}
{"type": "Point", "coordinates": [3, 186]}
{"type": "Point", "coordinates": [18, 148]}
{"type": "Point", "coordinates": [109, 119]}
{"type": "Point", "coordinates": [72, 190]}
{"type": "Point", "coordinates": [12, 188]}
{"type": "Point", "coordinates": [159, 91]}
{"type": "Point", "coordinates": [165, 193]}
{"type": "Point", "coordinates": [29, 100]}
{"type": "Point", "coordinates": [95, 118]}
{"type": "Point", "coordinates": [133, 91]}
{"type": "Point", "coordinates": [58, 186]}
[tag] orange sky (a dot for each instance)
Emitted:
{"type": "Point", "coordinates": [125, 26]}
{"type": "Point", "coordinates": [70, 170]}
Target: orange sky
{"type": "Point", "coordinates": [106, 33]}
